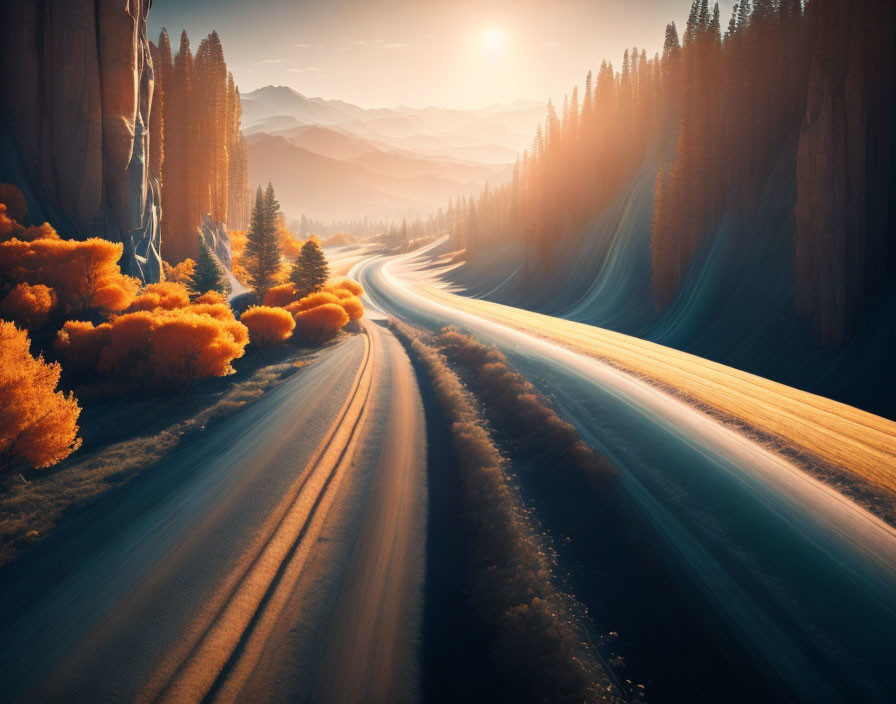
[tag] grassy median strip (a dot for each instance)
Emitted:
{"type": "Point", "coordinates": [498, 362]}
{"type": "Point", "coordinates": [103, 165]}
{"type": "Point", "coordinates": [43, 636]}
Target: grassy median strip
{"type": "Point", "coordinates": [539, 648]}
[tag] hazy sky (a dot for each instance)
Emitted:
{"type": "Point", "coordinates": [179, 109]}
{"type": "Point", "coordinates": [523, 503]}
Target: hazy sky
{"type": "Point", "coordinates": [450, 53]}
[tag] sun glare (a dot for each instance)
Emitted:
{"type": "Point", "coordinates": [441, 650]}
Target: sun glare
{"type": "Point", "coordinates": [495, 42]}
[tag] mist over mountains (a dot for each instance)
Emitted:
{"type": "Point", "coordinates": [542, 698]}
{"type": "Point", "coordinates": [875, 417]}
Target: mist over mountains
{"type": "Point", "coordinates": [330, 159]}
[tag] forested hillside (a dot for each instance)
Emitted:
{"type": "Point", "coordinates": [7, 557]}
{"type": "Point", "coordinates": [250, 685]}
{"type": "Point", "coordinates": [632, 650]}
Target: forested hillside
{"type": "Point", "coordinates": [730, 196]}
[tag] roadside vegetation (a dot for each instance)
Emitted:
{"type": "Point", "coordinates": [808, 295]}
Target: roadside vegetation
{"type": "Point", "coordinates": [70, 318]}
{"type": "Point", "coordinates": [540, 649]}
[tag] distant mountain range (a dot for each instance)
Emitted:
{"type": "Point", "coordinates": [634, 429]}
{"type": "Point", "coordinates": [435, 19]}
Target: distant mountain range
{"type": "Point", "coordinates": [330, 159]}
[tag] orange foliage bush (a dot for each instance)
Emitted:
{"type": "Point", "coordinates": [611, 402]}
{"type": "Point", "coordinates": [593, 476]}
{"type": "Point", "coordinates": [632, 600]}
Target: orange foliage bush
{"type": "Point", "coordinates": [342, 297]}
{"type": "Point", "coordinates": [320, 323]}
{"type": "Point", "coordinates": [78, 344]}
{"type": "Point", "coordinates": [85, 275]}
{"type": "Point", "coordinates": [290, 244]}
{"type": "Point", "coordinates": [312, 300]}
{"type": "Point", "coordinates": [267, 325]}
{"type": "Point", "coordinates": [237, 251]}
{"type": "Point", "coordinates": [13, 199]}
{"type": "Point", "coordinates": [212, 297]}
{"type": "Point", "coordinates": [38, 424]}
{"type": "Point", "coordinates": [172, 347]}
{"type": "Point", "coordinates": [167, 295]}
{"type": "Point", "coordinates": [340, 239]}
{"type": "Point", "coordinates": [353, 307]}
{"type": "Point", "coordinates": [180, 274]}
{"type": "Point", "coordinates": [29, 306]}
{"type": "Point", "coordinates": [9, 229]}
{"type": "Point", "coordinates": [281, 296]}
{"type": "Point", "coordinates": [186, 346]}
{"type": "Point", "coordinates": [345, 283]}
{"type": "Point", "coordinates": [218, 311]}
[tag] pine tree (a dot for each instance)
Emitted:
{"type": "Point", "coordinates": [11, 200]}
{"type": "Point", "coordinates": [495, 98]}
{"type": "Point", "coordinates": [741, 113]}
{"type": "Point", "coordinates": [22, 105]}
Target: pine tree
{"type": "Point", "coordinates": [262, 246]}
{"type": "Point", "coordinates": [310, 270]}
{"type": "Point", "coordinates": [207, 274]}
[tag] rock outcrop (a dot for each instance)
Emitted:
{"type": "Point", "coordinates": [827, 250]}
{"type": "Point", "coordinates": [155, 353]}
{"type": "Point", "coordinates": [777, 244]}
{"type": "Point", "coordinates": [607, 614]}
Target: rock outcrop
{"type": "Point", "coordinates": [75, 94]}
{"type": "Point", "coordinates": [845, 166]}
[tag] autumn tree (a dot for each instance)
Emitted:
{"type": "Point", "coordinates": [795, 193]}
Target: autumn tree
{"type": "Point", "coordinates": [310, 270]}
{"type": "Point", "coordinates": [38, 424]}
{"type": "Point", "coordinates": [262, 247]}
{"type": "Point", "coordinates": [207, 274]}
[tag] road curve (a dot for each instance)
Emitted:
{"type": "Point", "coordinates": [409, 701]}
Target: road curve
{"type": "Point", "coordinates": [163, 589]}
{"type": "Point", "coordinates": [799, 579]}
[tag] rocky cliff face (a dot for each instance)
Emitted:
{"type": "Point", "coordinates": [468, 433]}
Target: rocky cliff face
{"type": "Point", "coordinates": [845, 166]}
{"type": "Point", "coordinates": [76, 83]}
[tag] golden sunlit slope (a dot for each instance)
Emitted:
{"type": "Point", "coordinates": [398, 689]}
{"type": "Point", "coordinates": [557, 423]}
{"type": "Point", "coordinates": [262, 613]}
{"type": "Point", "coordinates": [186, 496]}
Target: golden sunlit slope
{"type": "Point", "coordinates": [861, 443]}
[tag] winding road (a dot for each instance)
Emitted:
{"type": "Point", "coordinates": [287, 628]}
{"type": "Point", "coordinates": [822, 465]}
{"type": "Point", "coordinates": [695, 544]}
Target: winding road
{"type": "Point", "coordinates": [281, 554]}
{"type": "Point", "coordinates": [799, 579]}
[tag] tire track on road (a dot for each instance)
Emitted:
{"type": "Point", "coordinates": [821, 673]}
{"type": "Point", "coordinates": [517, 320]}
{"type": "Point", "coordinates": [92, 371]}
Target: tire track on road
{"type": "Point", "coordinates": [222, 632]}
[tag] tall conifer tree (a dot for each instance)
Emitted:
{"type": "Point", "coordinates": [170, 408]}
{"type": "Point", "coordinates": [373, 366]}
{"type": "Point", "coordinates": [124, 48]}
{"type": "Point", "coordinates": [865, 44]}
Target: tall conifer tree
{"type": "Point", "coordinates": [262, 247]}
{"type": "Point", "coordinates": [310, 270]}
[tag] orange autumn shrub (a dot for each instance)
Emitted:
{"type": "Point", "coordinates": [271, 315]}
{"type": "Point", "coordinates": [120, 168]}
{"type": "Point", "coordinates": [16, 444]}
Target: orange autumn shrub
{"type": "Point", "coordinates": [345, 283]}
{"type": "Point", "coordinates": [268, 326]}
{"type": "Point", "coordinates": [353, 307]}
{"type": "Point", "coordinates": [218, 311]}
{"type": "Point", "coordinates": [281, 296]}
{"type": "Point", "coordinates": [13, 200]}
{"type": "Point", "coordinates": [187, 346]}
{"type": "Point", "coordinates": [312, 300]}
{"type": "Point", "coordinates": [9, 228]}
{"type": "Point", "coordinates": [171, 347]}
{"type": "Point", "coordinates": [320, 323]}
{"type": "Point", "coordinates": [85, 275]}
{"type": "Point", "coordinates": [237, 255]}
{"type": "Point", "coordinates": [29, 306]}
{"type": "Point", "coordinates": [167, 295]}
{"type": "Point", "coordinates": [211, 297]}
{"type": "Point", "coordinates": [180, 274]}
{"type": "Point", "coordinates": [78, 344]}
{"type": "Point", "coordinates": [38, 424]}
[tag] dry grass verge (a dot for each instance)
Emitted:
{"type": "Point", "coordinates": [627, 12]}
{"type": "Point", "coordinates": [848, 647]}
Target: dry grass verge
{"type": "Point", "coordinates": [525, 416]}
{"type": "Point", "coordinates": [122, 438]}
{"type": "Point", "coordinates": [540, 651]}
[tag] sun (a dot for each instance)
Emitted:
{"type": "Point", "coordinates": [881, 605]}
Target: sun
{"type": "Point", "coordinates": [495, 42]}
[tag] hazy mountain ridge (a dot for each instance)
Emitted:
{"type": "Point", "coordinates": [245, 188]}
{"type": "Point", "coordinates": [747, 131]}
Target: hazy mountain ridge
{"type": "Point", "coordinates": [328, 188]}
{"type": "Point", "coordinates": [372, 156]}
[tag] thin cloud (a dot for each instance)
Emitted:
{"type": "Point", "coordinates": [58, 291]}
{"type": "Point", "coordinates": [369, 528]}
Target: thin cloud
{"type": "Point", "coordinates": [309, 46]}
{"type": "Point", "coordinates": [243, 69]}
{"type": "Point", "coordinates": [303, 70]}
{"type": "Point", "coordinates": [397, 45]}
{"type": "Point", "coordinates": [269, 61]}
